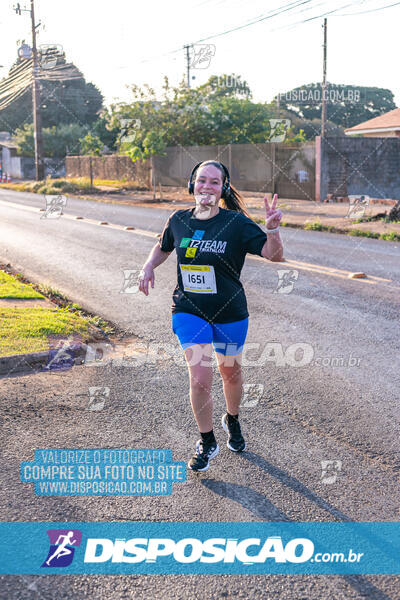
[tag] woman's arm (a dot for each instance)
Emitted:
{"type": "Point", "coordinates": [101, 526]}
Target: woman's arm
{"type": "Point", "coordinates": [155, 258]}
{"type": "Point", "coordinates": [273, 248]}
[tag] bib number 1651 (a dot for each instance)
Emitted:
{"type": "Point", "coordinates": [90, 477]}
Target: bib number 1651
{"type": "Point", "coordinates": [198, 279]}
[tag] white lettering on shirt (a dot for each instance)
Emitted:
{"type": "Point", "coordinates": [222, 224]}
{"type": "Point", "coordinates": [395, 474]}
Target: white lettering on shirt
{"type": "Point", "coordinates": [209, 246]}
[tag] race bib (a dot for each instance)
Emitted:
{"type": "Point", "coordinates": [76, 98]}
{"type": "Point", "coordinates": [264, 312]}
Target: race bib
{"type": "Point", "coordinates": [199, 279]}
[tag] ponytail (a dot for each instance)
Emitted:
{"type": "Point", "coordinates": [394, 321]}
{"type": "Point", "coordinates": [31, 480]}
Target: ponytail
{"type": "Point", "coordinates": [234, 201]}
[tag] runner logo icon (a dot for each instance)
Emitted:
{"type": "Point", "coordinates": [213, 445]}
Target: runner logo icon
{"type": "Point", "coordinates": [62, 547]}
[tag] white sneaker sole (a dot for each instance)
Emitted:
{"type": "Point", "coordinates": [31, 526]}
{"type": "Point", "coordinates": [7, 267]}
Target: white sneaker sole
{"type": "Point", "coordinates": [225, 426]}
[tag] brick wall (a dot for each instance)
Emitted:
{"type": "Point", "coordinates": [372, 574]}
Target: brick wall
{"type": "Point", "coordinates": [369, 166]}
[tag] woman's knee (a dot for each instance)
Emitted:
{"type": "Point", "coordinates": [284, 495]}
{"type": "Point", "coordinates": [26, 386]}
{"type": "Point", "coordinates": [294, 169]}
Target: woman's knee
{"type": "Point", "coordinates": [199, 363]}
{"type": "Point", "coordinates": [230, 373]}
{"type": "Point", "coordinates": [201, 379]}
{"type": "Point", "coordinates": [200, 385]}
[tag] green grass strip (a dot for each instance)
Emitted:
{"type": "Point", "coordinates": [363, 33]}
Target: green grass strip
{"type": "Point", "coordinates": [25, 330]}
{"type": "Point", "coordinates": [12, 288]}
{"type": "Point", "coordinates": [317, 226]}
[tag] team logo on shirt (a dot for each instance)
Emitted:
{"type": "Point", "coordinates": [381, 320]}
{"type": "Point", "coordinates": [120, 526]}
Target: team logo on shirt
{"type": "Point", "coordinates": [196, 242]}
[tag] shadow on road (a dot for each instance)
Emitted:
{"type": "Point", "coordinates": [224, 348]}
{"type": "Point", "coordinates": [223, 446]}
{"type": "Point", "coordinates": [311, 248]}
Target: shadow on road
{"type": "Point", "coordinates": [263, 508]}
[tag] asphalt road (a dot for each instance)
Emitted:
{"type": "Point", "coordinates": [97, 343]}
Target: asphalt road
{"type": "Point", "coordinates": [343, 405]}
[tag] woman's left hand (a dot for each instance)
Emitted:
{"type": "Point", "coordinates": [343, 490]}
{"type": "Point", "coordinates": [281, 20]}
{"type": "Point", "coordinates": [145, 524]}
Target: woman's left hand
{"type": "Point", "coordinates": [273, 216]}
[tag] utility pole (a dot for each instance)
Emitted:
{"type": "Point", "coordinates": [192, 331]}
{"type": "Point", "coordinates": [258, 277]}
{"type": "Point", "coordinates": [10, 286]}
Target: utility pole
{"type": "Point", "coordinates": [324, 86]}
{"type": "Point", "coordinates": [37, 117]}
{"type": "Point", "coordinates": [187, 64]}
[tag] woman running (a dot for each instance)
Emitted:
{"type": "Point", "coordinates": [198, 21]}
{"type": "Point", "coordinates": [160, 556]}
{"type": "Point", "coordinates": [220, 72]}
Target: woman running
{"type": "Point", "coordinates": [209, 307]}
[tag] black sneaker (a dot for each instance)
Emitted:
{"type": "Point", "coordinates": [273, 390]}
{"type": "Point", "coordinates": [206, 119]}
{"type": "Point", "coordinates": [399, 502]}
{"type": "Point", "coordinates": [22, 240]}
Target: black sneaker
{"type": "Point", "coordinates": [200, 460]}
{"type": "Point", "coordinates": [236, 441]}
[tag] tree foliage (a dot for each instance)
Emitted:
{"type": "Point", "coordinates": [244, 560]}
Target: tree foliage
{"type": "Point", "coordinates": [347, 105]}
{"type": "Point", "coordinates": [218, 112]}
{"type": "Point", "coordinates": [91, 145]}
{"type": "Point", "coordinates": [67, 101]}
{"type": "Point", "coordinates": [57, 141]}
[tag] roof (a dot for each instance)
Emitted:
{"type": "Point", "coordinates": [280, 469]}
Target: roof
{"type": "Point", "coordinates": [8, 144]}
{"type": "Point", "coordinates": [389, 121]}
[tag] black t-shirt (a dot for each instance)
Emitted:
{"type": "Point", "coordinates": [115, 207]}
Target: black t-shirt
{"type": "Point", "coordinates": [210, 257]}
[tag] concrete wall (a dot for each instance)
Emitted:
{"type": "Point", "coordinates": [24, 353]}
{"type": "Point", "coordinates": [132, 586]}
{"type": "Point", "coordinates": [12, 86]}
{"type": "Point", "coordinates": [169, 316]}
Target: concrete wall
{"type": "Point", "coordinates": [22, 167]}
{"type": "Point", "coordinates": [286, 170]}
{"type": "Point", "coordinates": [248, 164]}
{"type": "Point", "coordinates": [369, 166]}
{"type": "Point", "coordinates": [53, 167]}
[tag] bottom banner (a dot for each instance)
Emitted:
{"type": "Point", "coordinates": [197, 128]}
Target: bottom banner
{"type": "Point", "coordinates": [207, 548]}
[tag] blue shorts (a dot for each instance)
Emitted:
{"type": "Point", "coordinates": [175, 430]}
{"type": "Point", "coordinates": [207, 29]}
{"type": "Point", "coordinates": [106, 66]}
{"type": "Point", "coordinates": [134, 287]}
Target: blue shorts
{"type": "Point", "coordinates": [226, 338]}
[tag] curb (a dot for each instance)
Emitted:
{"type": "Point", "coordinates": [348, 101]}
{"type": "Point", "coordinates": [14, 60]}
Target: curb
{"type": "Point", "coordinates": [37, 361]}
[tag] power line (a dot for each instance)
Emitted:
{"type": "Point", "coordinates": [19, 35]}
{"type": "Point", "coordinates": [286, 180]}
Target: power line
{"type": "Point", "coordinates": [10, 86]}
{"type": "Point", "coordinates": [15, 85]}
{"type": "Point", "coordinates": [364, 12]}
{"type": "Point", "coordinates": [21, 79]}
{"type": "Point", "coordinates": [290, 6]}
{"type": "Point", "coordinates": [279, 11]}
{"type": "Point", "coordinates": [291, 25]}
{"type": "Point", "coordinates": [63, 72]}
{"type": "Point", "coordinates": [11, 99]}
{"type": "Point", "coordinates": [327, 13]}
{"type": "Point", "coordinates": [254, 22]}
{"type": "Point", "coordinates": [16, 73]}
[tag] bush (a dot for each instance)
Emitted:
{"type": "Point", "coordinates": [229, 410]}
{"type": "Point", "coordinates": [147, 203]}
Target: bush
{"type": "Point", "coordinates": [315, 226]}
{"type": "Point", "coordinates": [59, 183]}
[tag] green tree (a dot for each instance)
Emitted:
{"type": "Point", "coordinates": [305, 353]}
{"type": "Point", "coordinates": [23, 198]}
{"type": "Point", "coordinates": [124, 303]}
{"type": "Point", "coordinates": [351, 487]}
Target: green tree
{"type": "Point", "coordinates": [189, 116]}
{"type": "Point", "coordinates": [347, 105]}
{"type": "Point", "coordinates": [92, 145]}
{"type": "Point", "coordinates": [100, 129]}
{"type": "Point", "coordinates": [57, 141]}
{"type": "Point", "coordinates": [225, 85]}
{"type": "Point", "coordinates": [62, 101]}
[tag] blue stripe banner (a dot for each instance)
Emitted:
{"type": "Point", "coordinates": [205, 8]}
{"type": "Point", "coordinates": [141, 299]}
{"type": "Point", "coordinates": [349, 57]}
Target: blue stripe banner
{"type": "Point", "coordinates": [207, 548]}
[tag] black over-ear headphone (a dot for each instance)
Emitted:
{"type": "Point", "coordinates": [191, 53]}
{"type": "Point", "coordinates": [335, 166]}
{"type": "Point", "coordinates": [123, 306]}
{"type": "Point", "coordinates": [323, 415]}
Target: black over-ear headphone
{"type": "Point", "coordinates": [226, 186]}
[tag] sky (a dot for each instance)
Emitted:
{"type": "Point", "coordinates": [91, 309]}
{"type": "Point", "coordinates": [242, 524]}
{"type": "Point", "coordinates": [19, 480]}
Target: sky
{"type": "Point", "coordinates": [119, 43]}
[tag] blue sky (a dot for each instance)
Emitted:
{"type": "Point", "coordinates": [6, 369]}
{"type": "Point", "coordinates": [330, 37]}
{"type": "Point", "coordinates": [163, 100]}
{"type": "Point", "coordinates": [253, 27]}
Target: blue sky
{"type": "Point", "coordinates": [123, 42]}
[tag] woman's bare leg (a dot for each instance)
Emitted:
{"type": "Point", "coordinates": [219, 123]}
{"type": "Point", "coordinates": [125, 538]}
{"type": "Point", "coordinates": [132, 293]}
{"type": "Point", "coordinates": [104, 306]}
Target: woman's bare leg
{"type": "Point", "coordinates": [232, 380]}
{"type": "Point", "coordinates": [199, 361]}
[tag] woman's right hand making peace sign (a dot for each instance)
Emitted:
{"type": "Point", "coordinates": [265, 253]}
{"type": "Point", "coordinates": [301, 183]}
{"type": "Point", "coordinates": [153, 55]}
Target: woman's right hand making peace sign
{"type": "Point", "coordinates": [273, 216]}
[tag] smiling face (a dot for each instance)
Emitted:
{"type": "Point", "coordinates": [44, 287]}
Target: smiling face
{"type": "Point", "coordinates": [208, 185]}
